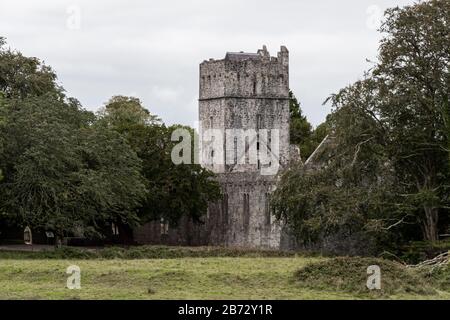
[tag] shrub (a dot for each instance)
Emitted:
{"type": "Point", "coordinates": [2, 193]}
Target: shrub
{"type": "Point", "coordinates": [349, 275]}
{"type": "Point", "coordinates": [142, 252]}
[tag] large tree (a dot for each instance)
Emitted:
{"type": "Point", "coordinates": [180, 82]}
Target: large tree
{"type": "Point", "coordinates": [386, 170]}
{"type": "Point", "coordinates": [413, 80]}
{"type": "Point", "coordinates": [63, 174]}
{"type": "Point", "coordinates": [61, 171]}
{"type": "Point", "coordinates": [22, 76]}
{"type": "Point", "coordinates": [175, 191]}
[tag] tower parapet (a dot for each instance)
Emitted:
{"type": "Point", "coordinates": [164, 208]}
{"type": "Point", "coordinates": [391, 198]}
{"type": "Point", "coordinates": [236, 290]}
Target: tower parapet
{"type": "Point", "coordinates": [246, 75]}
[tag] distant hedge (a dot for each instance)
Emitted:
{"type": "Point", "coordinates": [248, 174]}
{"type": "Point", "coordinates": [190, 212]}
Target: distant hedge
{"type": "Point", "coordinates": [142, 252]}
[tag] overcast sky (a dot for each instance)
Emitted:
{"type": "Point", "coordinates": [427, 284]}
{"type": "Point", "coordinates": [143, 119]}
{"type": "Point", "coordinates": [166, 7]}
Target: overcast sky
{"type": "Point", "coordinates": [152, 49]}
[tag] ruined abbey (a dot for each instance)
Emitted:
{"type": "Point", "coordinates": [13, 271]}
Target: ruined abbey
{"type": "Point", "coordinates": [245, 98]}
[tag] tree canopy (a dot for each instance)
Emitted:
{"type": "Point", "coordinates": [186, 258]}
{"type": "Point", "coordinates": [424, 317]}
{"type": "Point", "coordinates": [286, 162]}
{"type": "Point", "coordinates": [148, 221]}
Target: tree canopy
{"type": "Point", "coordinates": [22, 77]}
{"type": "Point", "coordinates": [174, 190]}
{"type": "Point", "coordinates": [71, 171]}
{"type": "Point", "coordinates": [302, 132]}
{"type": "Point", "coordinates": [60, 172]}
{"type": "Point", "coordinates": [385, 172]}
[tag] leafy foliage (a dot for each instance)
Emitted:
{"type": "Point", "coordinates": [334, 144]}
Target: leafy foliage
{"type": "Point", "coordinates": [67, 170]}
{"type": "Point", "coordinates": [302, 132]}
{"type": "Point", "coordinates": [174, 190]}
{"type": "Point", "coordinates": [60, 172]}
{"type": "Point", "coordinates": [384, 174]}
{"type": "Point", "coordinates": [22, 77]}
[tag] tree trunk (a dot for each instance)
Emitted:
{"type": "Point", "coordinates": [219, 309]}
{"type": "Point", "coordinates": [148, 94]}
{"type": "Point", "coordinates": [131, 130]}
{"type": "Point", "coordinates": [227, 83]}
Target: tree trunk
{"type": "Point", "coordinates": [430, 224]}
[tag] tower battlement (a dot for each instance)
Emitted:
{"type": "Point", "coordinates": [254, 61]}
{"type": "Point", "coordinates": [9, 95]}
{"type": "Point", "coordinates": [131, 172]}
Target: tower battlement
{"type": "Point", "coordinates": [246, 75]}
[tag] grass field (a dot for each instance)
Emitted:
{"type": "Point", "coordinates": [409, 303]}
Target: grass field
{"type": "Point", "coordinates": [177, 278]}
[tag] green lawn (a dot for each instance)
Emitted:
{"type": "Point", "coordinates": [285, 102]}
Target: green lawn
{"type": "Point", "coordinates": [181, 278]}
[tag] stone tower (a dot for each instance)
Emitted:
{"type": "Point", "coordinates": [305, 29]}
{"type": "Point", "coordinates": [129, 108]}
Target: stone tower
{"type": "Point", "coordinates": [245, 96]}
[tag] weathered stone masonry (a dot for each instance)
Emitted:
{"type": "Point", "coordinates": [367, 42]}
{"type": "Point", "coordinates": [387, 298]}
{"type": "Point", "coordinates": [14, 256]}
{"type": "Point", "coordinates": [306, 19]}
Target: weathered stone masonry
{"type": "Point", "coordinates": [245, 91]}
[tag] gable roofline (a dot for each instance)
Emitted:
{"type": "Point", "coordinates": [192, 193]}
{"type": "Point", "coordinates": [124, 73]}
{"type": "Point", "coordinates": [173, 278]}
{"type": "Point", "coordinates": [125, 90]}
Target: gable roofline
{"type": "Point", "coordinates": [319, 147]}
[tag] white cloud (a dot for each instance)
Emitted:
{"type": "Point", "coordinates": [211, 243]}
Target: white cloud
{"type": "Point", "coordinates": [165, 94]}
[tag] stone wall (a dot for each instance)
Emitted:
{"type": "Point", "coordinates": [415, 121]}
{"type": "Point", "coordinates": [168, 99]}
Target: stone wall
{"type": "Point", "coordinates": [186, 233]}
